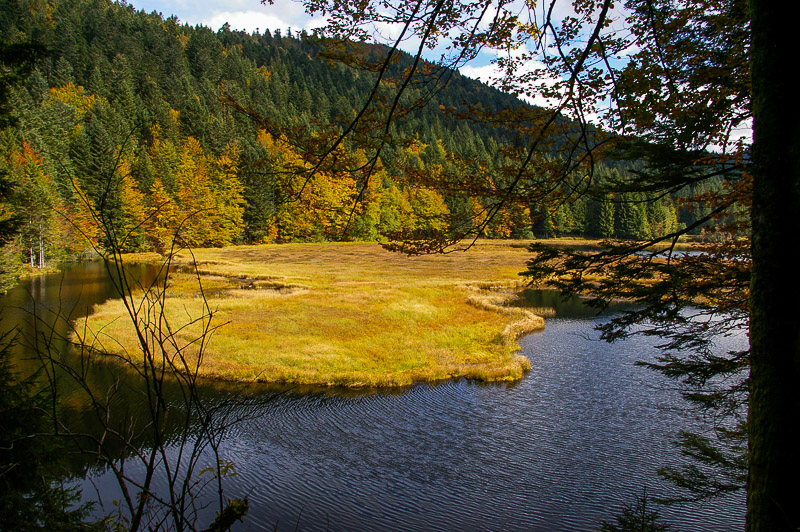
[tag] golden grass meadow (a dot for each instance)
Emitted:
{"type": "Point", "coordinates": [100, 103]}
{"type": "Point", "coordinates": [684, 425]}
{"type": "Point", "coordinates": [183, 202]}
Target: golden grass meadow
{"type": "Point", "coordinates": [349, 314]}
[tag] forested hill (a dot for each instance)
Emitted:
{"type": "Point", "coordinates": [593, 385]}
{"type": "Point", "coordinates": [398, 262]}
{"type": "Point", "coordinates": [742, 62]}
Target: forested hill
{"type": "Point", "coordinates": [131, 114]}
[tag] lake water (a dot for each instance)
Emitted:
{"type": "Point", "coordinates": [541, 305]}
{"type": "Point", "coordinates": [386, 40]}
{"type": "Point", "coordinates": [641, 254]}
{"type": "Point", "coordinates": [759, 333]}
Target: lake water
{"type": "Point", "coordinates": [562, 449]}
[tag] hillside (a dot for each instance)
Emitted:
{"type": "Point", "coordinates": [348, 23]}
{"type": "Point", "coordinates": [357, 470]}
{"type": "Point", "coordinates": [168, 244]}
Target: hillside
{"type": "Point", "coordinates": [140, 118]}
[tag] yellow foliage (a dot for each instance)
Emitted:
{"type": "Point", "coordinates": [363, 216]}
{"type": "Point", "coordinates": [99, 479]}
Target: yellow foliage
{"type": "Point", "coordinates": [207, 204]}
{"type": "Point", "coordinates": [82, 231]}
{"type": "Point", "coordinates": [316, 206]}
{"type": "Point", "coordinates": [133, 212]}
{"type": "Point", "coordinates": [175, 116]}
{"type": "Point", "coordinates": [161, 220]}
{"type": "Point", "coordinates": [428, 208]}
{"type": "Point", "coordinates": [74, 96]}
{"type": "Point", "coordinates": [184, 40]}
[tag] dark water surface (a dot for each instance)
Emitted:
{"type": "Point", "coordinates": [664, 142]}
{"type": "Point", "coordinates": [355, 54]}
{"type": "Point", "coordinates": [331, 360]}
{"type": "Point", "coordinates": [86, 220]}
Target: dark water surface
{"type": "Point", "coordinates": [562, 449]}
{"type": "Point", "coordinates": [59, 298]}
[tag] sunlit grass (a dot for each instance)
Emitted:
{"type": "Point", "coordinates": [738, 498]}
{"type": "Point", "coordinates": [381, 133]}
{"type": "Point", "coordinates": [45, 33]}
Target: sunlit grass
{"type": "Point", "coordinates": [343, 314]}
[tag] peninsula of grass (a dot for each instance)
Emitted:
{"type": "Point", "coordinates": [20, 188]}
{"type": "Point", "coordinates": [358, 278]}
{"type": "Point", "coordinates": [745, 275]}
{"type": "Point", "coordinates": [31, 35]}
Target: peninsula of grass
{"type": "Point", "coordinates": [349, 314]}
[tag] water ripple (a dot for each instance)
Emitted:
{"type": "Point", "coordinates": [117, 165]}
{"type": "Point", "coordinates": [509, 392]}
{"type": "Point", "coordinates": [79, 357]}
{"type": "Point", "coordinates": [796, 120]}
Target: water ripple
{"type": "Point", "coordinates": [562, 450]}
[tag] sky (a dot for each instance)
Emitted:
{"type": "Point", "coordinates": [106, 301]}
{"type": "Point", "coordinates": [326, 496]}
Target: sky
{"type": "Point", "coordinates": [247, 15]}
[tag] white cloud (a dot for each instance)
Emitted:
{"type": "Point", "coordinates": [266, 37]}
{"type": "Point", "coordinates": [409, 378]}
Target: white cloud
{"type": "Point", "coordinates": [251, 14]}
{"type": "Point", "coordinates": [490, 74]}
{"type": "Point", "coordinates": [246, 20]}
{"type": "Point", "coordinates": [483, 73]}
{"type": "Point", "coordinates": [388, 31]}
{"type": "Point", "coordinates": [244, 15]}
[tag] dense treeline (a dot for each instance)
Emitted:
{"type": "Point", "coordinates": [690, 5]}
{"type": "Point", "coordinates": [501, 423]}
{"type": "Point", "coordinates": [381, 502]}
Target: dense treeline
{"type": "Point", "coordinates": [131, 115]}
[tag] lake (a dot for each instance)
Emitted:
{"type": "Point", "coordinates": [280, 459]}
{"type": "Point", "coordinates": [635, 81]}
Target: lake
{"type": "Point", "coordinates": [563, 449]}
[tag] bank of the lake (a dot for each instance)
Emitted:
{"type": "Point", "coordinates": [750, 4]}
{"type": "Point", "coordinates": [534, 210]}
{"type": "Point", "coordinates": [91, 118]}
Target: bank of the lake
{"type": "Point", "coordinates": [347, 314]}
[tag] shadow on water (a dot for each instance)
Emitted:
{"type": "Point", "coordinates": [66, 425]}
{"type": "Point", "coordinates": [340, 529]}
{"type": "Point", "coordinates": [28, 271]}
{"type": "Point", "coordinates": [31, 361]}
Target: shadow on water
{"type": "Point", "coordinates": [553, 304]}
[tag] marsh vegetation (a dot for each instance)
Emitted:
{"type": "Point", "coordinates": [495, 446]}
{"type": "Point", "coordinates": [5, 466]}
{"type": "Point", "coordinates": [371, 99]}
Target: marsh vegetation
{"type": "Point", "coordinates": [344, 314]}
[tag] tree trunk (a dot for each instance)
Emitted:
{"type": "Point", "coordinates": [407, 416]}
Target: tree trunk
{"type": "Point", "coordinates": [773, 484]}
{"type": "Point", "coordinates": [32, 255]}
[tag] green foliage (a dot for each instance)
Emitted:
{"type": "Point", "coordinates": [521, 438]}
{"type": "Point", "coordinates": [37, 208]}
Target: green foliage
{"type": "Point", "coordinates": [17, 59]}
{"type": "Point", "coordinates": [235, 510]}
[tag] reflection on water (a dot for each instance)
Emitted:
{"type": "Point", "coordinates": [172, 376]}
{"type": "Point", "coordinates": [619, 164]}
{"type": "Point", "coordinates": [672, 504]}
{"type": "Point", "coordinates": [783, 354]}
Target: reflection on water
{"type": "Point", "coordinates": [562, 449]}
{"type": "Point", "coordinates": [553, 304]}
{"type": "Point", "coordinates": [59, 298]}
{"type": "Point", "coordinates": [44, 310]}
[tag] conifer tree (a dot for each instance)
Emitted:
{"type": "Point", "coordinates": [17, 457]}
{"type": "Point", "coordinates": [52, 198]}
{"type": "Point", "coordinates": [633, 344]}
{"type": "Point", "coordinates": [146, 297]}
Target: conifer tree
{"type": "Point", "coordinates": [36, 195]}
{"type": "Point", "coordinates": [606, 219]}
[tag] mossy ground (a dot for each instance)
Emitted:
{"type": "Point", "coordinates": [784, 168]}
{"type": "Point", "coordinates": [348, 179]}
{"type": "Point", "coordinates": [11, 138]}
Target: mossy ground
{"type": "Point", "coordinates": [347, 314]}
